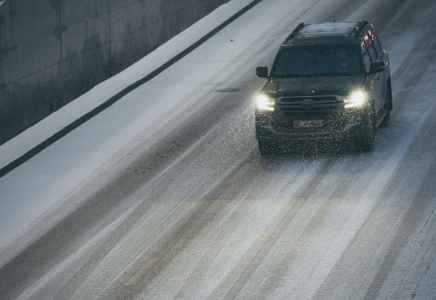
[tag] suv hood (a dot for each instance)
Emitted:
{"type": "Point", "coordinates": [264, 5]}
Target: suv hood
{"type": "Point", "coordinates": [315, 85]}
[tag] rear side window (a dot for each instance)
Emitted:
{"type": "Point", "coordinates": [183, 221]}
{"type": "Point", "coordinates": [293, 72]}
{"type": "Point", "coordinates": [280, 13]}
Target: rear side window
{"type": "Point", "coordinates": [377, 45]}
{"type": "Point", "coordinates": [372, 53]}
{"type": "Point", "coordinates": [366, 60]}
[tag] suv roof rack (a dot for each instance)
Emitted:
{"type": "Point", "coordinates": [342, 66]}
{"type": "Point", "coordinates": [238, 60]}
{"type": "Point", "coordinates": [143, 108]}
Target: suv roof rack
{"type": "Point", "coordinates": [352, 32]}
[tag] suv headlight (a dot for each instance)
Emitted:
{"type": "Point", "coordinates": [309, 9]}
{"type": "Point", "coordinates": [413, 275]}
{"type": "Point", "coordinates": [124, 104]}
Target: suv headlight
{"type": "Point", "coordinates": [356, 99]}
{"type": "Point", "coordinates": [263, 102]}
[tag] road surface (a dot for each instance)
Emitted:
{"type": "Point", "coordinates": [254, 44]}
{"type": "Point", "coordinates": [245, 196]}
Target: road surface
{"type": "Point", "coordinates": [193, 212]}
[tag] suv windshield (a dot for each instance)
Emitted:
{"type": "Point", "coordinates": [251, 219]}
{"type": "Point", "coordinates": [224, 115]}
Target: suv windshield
{"type": "Point", "coordinates": [316, 60]}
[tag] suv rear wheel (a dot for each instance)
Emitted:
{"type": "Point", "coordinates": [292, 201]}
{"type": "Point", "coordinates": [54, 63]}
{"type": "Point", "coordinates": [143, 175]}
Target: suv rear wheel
{"type": "Point", "coordinates": [388, 104]}
{"type": "Point", "coordinates": [365, 140]}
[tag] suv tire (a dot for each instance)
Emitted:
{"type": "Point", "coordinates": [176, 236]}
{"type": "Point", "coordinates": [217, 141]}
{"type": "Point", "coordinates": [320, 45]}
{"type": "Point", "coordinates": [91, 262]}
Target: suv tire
{"type": "Point", "coordinates": [388, 105]}
{"type": "Point", "coordinates": [266, 148]}
{"type": "Point", "coordinates": [365, 140]}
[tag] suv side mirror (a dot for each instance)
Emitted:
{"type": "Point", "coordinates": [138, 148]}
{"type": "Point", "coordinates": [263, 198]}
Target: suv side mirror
{"type": "Point", "coordinates": [262, 72]}
{"type": "Point", "coordinates": [376, 67]}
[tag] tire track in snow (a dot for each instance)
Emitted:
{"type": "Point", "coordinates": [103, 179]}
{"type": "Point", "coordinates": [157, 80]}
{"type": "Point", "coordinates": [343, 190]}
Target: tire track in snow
{"type": "Point", "coordinates": [242, 271]}
{"type": "Point", "coordinates": [249, 231]}
{"type": "Point", "coordinates": [422, 199]}
{"type": "Point", "coordinates": [226, 226]}
{"type": "Point", "coordinates": [178, 240]}
{"type": "Point", "coordinates": [398, 186]}
{"type": "Point", "coordinates": [157, 193]}
{"type": "Point", "coordinates": [148, 266]}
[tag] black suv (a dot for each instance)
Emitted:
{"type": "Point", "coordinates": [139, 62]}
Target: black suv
{"type": "Point", "coordinates": [328, 80]}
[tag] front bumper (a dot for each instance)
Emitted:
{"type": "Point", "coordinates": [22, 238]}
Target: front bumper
{"type": "Point", "coordinates": [280, 127]}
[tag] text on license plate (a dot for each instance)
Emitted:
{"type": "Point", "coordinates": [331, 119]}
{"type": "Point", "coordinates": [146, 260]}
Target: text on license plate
{"type": "Point", "coordinates": [309, 124]}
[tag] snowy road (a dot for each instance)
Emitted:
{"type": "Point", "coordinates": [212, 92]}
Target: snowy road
{"type": "Point", "coordinates": [185, 207]}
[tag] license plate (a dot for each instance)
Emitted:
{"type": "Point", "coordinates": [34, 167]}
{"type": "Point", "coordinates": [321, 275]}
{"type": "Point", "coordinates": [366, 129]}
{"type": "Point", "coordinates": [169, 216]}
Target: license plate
{"type": "Point", "coordinates": [309, 124]}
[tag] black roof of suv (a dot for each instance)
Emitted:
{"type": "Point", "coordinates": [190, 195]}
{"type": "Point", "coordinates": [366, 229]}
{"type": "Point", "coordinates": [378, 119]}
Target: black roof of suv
{"type": "Point", "coordinates": [325, 34]}
{"type": "Point", "coordinates": [328, 80]}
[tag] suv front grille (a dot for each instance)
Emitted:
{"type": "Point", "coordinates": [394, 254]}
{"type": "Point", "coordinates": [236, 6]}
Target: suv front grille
{"type": "Point", "coordinates": [333, 121]}
{"type": "Point", "coordinates": [309, 104]}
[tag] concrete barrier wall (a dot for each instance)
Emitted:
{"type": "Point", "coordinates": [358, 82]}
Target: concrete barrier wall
{"type": "Point", "coordinates": [52, 51]}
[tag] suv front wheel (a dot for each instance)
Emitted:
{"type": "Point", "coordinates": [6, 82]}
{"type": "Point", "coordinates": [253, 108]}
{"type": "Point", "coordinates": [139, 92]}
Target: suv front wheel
{"type": "Point", "coordinates": [266, 147]}
{"type": "Point", "coordinates": [388, 104]}
{"type": "Point", "coordinates": [365, 140]}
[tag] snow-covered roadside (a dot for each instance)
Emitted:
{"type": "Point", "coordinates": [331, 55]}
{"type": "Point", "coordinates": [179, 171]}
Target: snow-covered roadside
{"type": "Point", "coordinates": [35, 135]}
{"type": "Point", "coordinates": [37, 194]}
{"type": "Point", "coordinates": [28, 192]}
{"type": "Point", "coordinates": [44, 183]}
